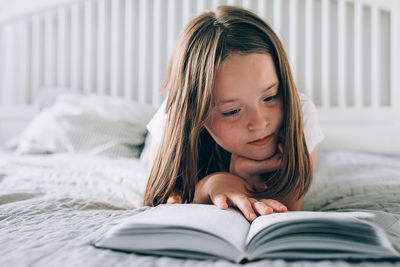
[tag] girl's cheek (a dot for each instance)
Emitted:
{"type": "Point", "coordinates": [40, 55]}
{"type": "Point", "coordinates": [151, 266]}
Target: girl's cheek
{"type": "Point", "coordinates": [231, 126]}
{"type": "Point", "coordinates": [229, 133]}
{"type": "Point", "coordinates": [222, 127]}
{"type": "Point", "coordinates": [225, 128]}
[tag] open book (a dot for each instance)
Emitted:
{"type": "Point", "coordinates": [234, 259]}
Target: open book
{"type": "Point", "coordinates": [207, 232]}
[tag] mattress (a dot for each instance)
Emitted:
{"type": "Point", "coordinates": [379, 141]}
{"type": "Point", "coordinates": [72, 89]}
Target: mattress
{"type": "Point", "coordinates": [53, 206]}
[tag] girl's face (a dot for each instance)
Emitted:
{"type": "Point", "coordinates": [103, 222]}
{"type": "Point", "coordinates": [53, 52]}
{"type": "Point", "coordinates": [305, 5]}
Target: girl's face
{"type": "Point", "coordinates": [248, 112]}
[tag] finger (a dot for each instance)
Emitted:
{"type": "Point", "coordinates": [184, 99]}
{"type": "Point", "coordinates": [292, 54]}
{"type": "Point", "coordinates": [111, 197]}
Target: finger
{"type": "Point", "coordinates": [261, 208]}
{"type": "Point", "coordinates": [171, 200]}
{"type": "Point", "coordinates": [275, 205]}
{"type": "Point", "coordinates": [234, 156]}
{"type": "Point", "coordinates": [220, 201]}
{"type": "Point", "coordinates": [243, 203]}
{"type": "Point", "coordinates": [236, 163]}
{"type": "Point", "coordinates": [174, 199]}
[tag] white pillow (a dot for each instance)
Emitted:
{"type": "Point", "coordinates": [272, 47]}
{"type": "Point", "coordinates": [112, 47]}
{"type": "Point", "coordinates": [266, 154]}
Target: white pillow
{"type": "Point", "coordinates": [92, 124]}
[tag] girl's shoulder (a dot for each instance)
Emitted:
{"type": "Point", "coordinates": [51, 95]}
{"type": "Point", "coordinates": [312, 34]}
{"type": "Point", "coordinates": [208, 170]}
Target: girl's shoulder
{"type": "Point", "coordinates": [157, 123]}
{"type": "Point", "coordinates": [312, 129]}
{"type": "Point", "coordinates": [304, 98]}
{"type": "Point", "coordinates": [307, 105]}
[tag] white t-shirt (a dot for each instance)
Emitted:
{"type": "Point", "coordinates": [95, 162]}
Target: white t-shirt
{"type": "Point", "coordinates": [312, 128]}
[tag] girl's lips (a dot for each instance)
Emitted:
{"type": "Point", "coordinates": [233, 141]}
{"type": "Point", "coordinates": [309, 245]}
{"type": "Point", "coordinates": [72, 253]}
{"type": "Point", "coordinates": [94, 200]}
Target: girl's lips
{"type": "Point", "coordinates": [262, 141]}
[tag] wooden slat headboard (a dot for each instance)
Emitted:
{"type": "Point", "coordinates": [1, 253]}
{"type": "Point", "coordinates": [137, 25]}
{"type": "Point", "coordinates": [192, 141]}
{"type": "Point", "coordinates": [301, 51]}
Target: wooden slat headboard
{"type": "Point", "coordinates": [344, 54]}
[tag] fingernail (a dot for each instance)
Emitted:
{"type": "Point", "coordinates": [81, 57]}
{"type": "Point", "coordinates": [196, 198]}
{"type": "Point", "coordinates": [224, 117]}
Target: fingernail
{"type": "Point", "coordinates": [252, 215]}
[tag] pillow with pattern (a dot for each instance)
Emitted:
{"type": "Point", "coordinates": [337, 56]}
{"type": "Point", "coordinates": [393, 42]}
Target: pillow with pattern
{"type": "Point", "coordinates": [93, 124]}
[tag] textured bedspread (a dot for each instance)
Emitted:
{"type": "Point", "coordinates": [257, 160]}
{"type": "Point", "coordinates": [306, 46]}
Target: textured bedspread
{"type": "Point", "coordinates": [52, 207]}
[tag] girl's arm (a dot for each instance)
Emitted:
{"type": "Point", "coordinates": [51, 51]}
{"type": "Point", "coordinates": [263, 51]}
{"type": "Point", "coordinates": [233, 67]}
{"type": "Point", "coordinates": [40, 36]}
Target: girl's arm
{"type": "Point", "coordinates": [313, 157]}
{"type": "Point", "coordinates": [250, 171]}
{"type": "Point", "coordinates": [225, 189]}
{"type": "Point", "coordinates": [211, 189]}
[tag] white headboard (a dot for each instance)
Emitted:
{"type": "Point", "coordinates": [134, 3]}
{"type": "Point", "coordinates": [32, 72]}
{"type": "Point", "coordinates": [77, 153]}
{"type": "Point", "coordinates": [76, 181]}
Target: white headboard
{"type": "Point", "coordinates": [345, 55]}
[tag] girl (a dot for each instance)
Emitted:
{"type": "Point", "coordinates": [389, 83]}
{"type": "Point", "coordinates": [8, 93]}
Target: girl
{"type": "Point", "coordinates": [233, 133]}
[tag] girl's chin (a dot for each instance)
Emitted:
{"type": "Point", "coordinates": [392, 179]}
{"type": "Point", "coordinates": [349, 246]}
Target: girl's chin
{"type": "Point", "coordinates": [260, 157]}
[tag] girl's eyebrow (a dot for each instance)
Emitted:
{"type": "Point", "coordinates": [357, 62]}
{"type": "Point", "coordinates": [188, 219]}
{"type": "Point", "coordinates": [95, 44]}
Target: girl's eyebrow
{"type": "Point", "coordinates": [271, 86]}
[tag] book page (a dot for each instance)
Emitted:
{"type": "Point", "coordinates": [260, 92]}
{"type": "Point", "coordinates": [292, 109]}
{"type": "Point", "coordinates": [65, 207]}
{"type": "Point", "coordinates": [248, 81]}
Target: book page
{"type": "Point", "coordinates": [267, 220]}
{"type": "Point", "coordinates": [228, 224]}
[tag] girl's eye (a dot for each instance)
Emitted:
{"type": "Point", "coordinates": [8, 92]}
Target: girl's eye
{"type": "Point", "coordinates": [270, 98]}
{"type": "Point", "coordinates": [230, 113]}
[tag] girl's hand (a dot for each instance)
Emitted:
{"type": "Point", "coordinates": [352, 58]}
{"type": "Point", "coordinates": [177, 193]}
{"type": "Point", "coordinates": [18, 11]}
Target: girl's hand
{"type": "Point", "coordinates": [250, 170]}
{"type": "Point", "coordinates": [225, 189]}
{"type": "Point", "coordinates": [174, 199]}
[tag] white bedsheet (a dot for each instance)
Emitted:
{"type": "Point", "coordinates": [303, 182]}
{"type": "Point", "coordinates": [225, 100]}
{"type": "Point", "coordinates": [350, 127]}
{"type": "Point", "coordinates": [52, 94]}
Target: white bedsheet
{"type": "Point", "coordinates": [53, 206]}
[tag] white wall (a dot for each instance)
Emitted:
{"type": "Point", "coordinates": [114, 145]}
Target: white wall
{"type": "Point", "coordinates": [10, 9]}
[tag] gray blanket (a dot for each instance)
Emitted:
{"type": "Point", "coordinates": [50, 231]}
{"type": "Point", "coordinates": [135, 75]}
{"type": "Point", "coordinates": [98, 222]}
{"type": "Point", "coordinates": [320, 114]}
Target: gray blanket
{"type": "Point", "coordinates": [52, 207]}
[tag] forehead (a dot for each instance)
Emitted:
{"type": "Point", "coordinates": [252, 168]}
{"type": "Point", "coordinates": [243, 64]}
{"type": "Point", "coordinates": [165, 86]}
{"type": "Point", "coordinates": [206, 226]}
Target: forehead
{"type": "Point", "coordinates": [244, 74]}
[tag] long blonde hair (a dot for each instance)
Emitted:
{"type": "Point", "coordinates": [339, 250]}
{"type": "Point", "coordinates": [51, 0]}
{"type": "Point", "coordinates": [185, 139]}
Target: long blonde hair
{"type": "Point", "coordinates": [187, 152]}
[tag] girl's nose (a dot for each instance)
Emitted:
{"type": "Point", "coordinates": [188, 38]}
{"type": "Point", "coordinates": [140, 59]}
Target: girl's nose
{"type": "Point", "coordinates": [257, 120]}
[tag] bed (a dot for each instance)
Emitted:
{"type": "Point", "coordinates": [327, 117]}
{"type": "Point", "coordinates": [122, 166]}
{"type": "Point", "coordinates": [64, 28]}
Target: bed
{"type": "Point", "coordinates": [65, 182]}
{"type": "Point", "coordinates": [53, 206]}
